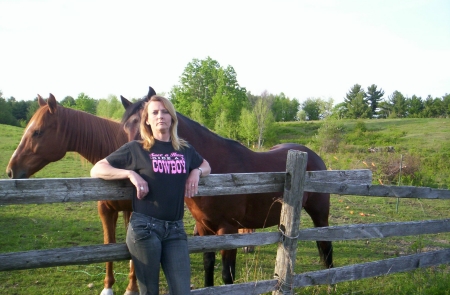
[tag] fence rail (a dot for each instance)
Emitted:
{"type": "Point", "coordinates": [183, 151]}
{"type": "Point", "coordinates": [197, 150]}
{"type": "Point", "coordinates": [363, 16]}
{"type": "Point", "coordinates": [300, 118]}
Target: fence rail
{"type": "Point", "coordinates": [348, 182]}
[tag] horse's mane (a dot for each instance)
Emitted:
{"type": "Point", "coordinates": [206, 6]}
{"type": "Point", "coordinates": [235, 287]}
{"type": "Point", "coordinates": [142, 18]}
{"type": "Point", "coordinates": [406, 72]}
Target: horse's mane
{"type": "Point", "coordinates": [199, 127]}
{"type": "Point", "coordinates": [89, 135]}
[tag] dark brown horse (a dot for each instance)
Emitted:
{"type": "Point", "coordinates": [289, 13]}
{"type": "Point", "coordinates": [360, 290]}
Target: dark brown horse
{"type": "Point", "coordinates": [54, 130]}
{"type": "Point", "coordinates": [226, 214]}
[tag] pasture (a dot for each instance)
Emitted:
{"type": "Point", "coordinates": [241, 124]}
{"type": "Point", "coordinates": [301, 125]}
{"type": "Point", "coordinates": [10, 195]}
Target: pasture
{"type": "Point", "coordinates": [30, 227]}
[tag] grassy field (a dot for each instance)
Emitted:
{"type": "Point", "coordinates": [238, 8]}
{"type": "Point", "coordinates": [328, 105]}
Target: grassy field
{"type": "Point", "coordinates": [30, 227]}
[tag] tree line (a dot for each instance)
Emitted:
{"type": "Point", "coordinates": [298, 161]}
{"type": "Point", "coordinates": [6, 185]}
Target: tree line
{"type": "Point", "coordinates": [211, 95]}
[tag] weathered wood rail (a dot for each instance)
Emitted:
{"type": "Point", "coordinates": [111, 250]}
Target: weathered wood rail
{"type": "Point", "coordinates": [351, 182]}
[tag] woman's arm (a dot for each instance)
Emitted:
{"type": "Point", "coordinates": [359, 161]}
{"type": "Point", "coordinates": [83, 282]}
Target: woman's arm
{"type": "Point", "coordinates": [191, 188]}
{"type": "Point", "coordinates": [102, 169]}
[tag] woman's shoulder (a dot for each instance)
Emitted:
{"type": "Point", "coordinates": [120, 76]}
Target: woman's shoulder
{"type": "Point", "coordinates": [133, 144]}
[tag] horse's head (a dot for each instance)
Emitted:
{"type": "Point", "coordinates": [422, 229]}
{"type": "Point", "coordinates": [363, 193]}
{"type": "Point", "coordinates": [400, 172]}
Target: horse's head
{"type": "Point", "coordinates": [132, 116]}
{"type": "Point", "coordinates": [40, 144]}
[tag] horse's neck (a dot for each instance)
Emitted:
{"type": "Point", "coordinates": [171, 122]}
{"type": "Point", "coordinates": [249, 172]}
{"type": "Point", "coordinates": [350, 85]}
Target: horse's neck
{"type": "Point", "coordinates": [92, 137]}
{"type": "Point", "coordinates": [214, 148]}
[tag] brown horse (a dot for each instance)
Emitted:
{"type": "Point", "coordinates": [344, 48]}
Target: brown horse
{"type": "Point", "coordinates": [220, 215]}
{"type": "Point", "coordinates": [54, 130]}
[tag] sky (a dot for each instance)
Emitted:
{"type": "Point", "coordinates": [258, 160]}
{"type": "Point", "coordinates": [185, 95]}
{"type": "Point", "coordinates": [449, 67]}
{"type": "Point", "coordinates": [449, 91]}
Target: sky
{"type": "Point", "coordinates": [304, 49]}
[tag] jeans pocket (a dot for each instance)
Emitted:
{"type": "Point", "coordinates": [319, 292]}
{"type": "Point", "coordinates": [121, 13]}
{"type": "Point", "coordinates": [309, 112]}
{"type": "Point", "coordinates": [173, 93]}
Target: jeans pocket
{"type": "Point", "coordinates": [140, 230]}
{"type": "Point", "coordinates": [181, 232]}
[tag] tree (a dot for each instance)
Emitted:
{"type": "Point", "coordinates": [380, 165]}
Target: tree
{"type": "Point", "coordinates": [311, 107]}
{"type": "Point", "coordinates": [415, 107]}
{"type": "Point", "coordinates": [215, 88]}
{"type": "Point", "coordinates": [228, 99]}
{"type": "Point", "coordinates": [339, 111]}
{"type": "Point", "coordinates": [374, 96]}
{"type": "Point", "coordinates": [359, 109]}
{"type": "Point", "coordinates": [6, 116]}
{"type": "Point", "coordinates": [68, 102]}
{"type": "Point", "coordinates": [326, 108]}
{"type": "Point", "coordinates": [264, 117]}
{"type": "Point", "coordinates": [385, 109]}
{"type": "Point", "coordinates": [446, 104]}
{"type": "Point", "coordinates": [110, 107]}
{"type": "Point", "coordinates": [19, 110]}
{"type": "Point", "coordinates": [353, 92]}
{"type": "Point", "coordinates": [317, 108]}
{"type": "Point", "coordinates": [86, 104]}
{"type": "Point", "coordinates": [284, 109]}
{"type": "Point", "coordinates": [248, 126]}
{"type": "Point", "coordinates": [197, 112]}
{"type": "Point", "coordinates": [223, 126]}
{"type": "Point", "coordinates": [353, 100]}
{"type": "Point", "coordinates": [32, 108]}
{"type": "Point", "coordinates": [398, 104]}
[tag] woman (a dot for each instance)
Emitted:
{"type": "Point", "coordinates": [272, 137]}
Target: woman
{"type": "Point", "coordinates": [164, 169]}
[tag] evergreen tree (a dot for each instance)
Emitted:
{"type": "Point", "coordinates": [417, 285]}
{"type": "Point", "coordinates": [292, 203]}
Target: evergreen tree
{"type": "Point", "coordinates": [374, 96]}
{"type": "Point", "coordinates": [359, 109]}
{"type": "Point", "coordinates": [415, 107]}
{"type": "Point", "coordinates": [353, 101]}
{"type": "Point", "coordinates": [398, 104]}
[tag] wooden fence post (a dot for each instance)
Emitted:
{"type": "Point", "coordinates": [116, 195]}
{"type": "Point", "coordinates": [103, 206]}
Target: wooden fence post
{"type": "Point", "coordinates": [290, 221]}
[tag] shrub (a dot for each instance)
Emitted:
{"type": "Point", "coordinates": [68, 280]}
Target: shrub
{"type": "Point", "coordinates": [329, 136]}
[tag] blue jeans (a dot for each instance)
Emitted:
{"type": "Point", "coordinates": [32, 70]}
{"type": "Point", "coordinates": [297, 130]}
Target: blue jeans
{"type": "Point", "coordinates": [153, 242]}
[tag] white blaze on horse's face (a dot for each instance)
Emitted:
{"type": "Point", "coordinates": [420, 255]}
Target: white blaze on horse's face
{"type": "Point", "coordinates": [30, 126]}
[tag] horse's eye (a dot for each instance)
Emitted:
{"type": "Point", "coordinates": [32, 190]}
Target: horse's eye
{"type": "Point", "coordinates": [37, 133]}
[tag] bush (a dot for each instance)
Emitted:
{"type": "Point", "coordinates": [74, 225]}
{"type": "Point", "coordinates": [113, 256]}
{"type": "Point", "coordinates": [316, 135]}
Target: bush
{"type": "Point", "coordinates": [386, 168]}
{"type": "Point", "coordinates": [329, 136]}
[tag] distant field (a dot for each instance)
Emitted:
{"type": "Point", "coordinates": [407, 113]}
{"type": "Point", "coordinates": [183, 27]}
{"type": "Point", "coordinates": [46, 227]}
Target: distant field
{"type": "Point", "coordinates": [27, 227]}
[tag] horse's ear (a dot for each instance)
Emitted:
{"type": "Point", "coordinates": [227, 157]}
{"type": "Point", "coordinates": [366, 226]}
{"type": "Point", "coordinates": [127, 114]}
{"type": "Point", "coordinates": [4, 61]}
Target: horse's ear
{"type": "Point", "coordinates": [151, 92]}
{"type": "Point", "coordinates": [52, 104]}
{"type": "Point", "coordinates": [125, 102]}
{"type": "Point", "coordinates": [41, 101]}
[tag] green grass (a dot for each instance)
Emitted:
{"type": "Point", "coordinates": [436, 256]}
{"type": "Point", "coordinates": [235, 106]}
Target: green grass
{"type": "Point", "coordinates": [30, 227]}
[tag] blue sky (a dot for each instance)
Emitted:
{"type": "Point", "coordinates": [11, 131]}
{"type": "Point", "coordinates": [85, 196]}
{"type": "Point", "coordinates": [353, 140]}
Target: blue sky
{"type": "Point", "coordinates": [301, 48]}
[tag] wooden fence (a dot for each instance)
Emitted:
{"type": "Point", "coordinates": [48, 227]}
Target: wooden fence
{"type": "Point", "coordinates": [292, 183]}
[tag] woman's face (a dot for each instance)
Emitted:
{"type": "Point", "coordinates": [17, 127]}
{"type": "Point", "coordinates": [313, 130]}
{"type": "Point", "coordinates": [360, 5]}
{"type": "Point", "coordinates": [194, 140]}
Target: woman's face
{"type": "Point", "coordinates": [159, 118]}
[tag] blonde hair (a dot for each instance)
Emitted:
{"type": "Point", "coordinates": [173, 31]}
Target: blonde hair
{"type": "Point", "coordinates": [148, 140]}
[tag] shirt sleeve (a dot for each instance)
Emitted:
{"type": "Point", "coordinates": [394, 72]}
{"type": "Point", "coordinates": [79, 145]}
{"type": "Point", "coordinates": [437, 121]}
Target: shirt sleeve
{"type": "Point", "coordinates": [197, 159]}
{"type": "Point", "coordinates": [122, 158]}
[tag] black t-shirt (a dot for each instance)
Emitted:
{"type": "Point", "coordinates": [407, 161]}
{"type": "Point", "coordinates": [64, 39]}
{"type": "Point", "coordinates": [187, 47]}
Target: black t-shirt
{"type": "Point", "coordinates": [165, 170]}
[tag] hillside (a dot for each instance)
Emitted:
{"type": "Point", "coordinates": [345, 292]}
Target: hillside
{"type": "Point", "coordinates": [422, 142]}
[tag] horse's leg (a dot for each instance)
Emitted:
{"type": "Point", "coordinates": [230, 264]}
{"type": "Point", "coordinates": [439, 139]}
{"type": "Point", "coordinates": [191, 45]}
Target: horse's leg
{"type": "Point", "coordinates": [132, 288]}
{"type": "Point", "coordinates": [109, 220]}
{"type": "Point", "coordinates": [247, 249]}
{"type": "Point", "coordinates": [209, 259]}
{"type": "Point", "coordinates": [318, 207]}
{"type": "Point", "coordinates": [229, 265]}
{"type": "Point", "coordinates": [228, 259]}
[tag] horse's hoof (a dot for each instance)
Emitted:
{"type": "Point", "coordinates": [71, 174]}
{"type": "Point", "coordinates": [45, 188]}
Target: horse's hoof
{"type": "Point", "coordinates": [107, 291]}
{"type": "Point", "coordinates": [128, 292]}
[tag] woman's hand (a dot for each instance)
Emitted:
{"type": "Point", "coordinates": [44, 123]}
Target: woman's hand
{"type": "Point", "coordinates": [140, 184]}
{"type": "Point", "coordinates": [191, 188]}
